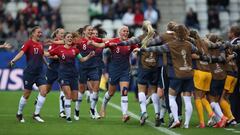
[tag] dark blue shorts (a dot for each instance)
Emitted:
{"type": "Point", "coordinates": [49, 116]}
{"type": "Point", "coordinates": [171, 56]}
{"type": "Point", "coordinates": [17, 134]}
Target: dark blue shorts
{"type": "Point", "coordinates": [147, 76]}
{"type": "Point", "coordinates": [91, 74]}
{"type": "Point", "coordinates": [29, 79]}
{"type": "Point", "coordinates": [120, 76]}
{"type": "Point", "coordinates": [52, 72]}
{"type": "Point", "coordinates": [72, 82]}
{"type": "Point", "coordinates": [181, 85]}
{"type": "Point", "coordinates": [216, 87]}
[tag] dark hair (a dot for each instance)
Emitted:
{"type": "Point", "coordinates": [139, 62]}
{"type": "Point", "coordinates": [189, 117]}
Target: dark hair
{"type": "Point", "coordinates": [33, 30]}
{"type": "Point", "coordinates": [85, 27]}
{"type": "Point", "coordinates": [101, 32]}
{"type": "Point", "coordinates": [66, 33]}
{"type": "Point", "coordinates": [214, 37]}
{"type": "Point", "coordinates": [171, 25]}
{"type": "Point", "coordinates": [80, 31]}
{"type": "Point", "coordinates": [235, 30]}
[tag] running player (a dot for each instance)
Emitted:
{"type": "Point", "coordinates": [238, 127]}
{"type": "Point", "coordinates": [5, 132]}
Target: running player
{"type": "Point", "coordinates": [119, 69]}
{"type": "Point", "coordinates": [68, 76]}
{"type": "Point", "coordinates": [33, 73]}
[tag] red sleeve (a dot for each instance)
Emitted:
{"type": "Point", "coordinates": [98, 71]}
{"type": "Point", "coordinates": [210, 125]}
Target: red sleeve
{"type": "Point", "coordinates": [77, 51]}
{"type": "Point", "coordinates": [98, 40]}
{"type": "Point", "coordinates": [53, 51]}
{"type": "Point", "coordinates": [25, 47]}
{"type": "Point", "coordinates": [133, 47]}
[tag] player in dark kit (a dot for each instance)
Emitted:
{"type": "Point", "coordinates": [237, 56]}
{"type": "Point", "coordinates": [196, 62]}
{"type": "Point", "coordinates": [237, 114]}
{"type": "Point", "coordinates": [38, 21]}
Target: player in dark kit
{"type": "Point", "coordinates": [33, 73]}
{"type": "Point", "coordinates": [67, 72]}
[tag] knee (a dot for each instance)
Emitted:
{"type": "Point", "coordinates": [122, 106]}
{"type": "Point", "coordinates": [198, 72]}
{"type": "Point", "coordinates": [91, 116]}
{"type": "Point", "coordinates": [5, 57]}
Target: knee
{"type": "Point", "coordinates": [124, 91]}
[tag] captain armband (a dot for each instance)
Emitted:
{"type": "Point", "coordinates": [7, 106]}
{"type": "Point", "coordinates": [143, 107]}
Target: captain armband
{"type": "Point", "coordinates": [79, 56]}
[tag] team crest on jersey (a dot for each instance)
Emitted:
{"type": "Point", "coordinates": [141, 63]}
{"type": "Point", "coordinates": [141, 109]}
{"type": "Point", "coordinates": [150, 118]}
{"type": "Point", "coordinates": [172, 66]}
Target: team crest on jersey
{"type": "Point", "coordinates": [26, 82]}
{"type": "Point", "coordinates": [74, 52]}
{"type": "Point", "coordinates": [62, 81]}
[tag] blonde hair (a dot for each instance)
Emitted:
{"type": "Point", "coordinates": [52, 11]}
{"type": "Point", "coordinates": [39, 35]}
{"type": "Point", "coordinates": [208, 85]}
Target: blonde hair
{"type": "Point", "coordinates": [149, 33]}
{"type": "Point", "coordinates": [54, 34]}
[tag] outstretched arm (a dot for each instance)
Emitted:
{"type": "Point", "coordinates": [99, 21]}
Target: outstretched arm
{"type": "Point", "coordinates": [83, 59]}
{"type": "Point", "coordinates": [160, 49]}
{"type": "Point", "coordinates": [16, 58]}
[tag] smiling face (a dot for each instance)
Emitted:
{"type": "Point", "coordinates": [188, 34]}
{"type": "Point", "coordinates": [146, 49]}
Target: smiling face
{"type": "Point", "coordinates": [88, 31]}
{"type": "Point", "coordinates": [60, 34]}
{"type": "Point", "coordinates": [37, 33]}
{"type": "Point", "coordinates": [123, 33]}
{"type": "Point", "coordinates": [68, 39]}
{"type": "Point", "coordinates": [94, 33]}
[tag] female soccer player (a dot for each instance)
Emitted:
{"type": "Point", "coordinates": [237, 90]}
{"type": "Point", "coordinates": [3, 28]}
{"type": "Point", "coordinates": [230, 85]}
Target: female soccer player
{"type": "Point", "coordinates": [33, 73]}
{"type": "Point", "coordinates": [68, 75]}
{"type": "Point", "coordinates": [52, 71]}
{"type": "Point", "coordinates": [119, 69]}
{"type": "Point", "coordinates": [88, 71]}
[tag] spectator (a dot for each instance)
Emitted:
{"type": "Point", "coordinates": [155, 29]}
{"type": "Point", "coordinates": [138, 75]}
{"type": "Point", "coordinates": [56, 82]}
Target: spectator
{"type": "Point", "coordinates": [138, 18]}
{"type": "Point", "coordinates": [191, 19]}
{"type": "Point", "coordinates": [3, 34]}
{"type": "Point", "coordinates": [107, 9]}
{"type": "Point", "coordinates": [152, 15]}
{"type": "Point", "coordinates": [128, 18]}
{"type": "Point", "coordinates": [95, 9]}
{"type": "Point", "coordinates": [213, 19]}
{"type": "Point", "coordinates": [54, 4]}
{"type": "Point", "coordinates": [22, 34]}
{"type": "Point", "coordinates": [120, 8]}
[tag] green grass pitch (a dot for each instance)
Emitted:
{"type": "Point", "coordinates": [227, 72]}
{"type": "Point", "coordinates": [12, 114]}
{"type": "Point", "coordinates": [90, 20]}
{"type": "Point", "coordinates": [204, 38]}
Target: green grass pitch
{"type": "Point", "coordinates": [111, 125]}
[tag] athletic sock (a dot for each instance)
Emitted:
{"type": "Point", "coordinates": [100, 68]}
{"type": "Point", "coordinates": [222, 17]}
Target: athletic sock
{"type": "Point", "coordinates": [226, 109]}
{"type": "Point", "coordinates": [93, 99]}
{"type": "Point", "coordinates": [67, 107]}
{"type": "Point", "coordinates": [199, 108]}
{"type": "Point", "coordinates": [78, 102]}
{"type": "Point", "coordinates": [188, 108]}
{"type": "Point", "coordinates": [207, 106]}
{"type": "Point", "coordinates": [61, 101]}
{"type": "Point", "coordinates": [155, 100]}
{"type": "Point", "coordinates": [142, 101]}
{"type": "Point", "coordinates": [106, 98]}
{"type": "Point", "coordinates": [21, 105]}
{"type": "Point", "coordinates": [124, 104]}
{"type": "Point", "coordinates": [173, 107]}
{"type": "Point", "coordinates": [40, 102]}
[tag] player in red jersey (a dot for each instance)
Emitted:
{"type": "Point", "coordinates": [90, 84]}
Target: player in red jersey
{"type": "Point", "coordinates": [68, 75]}
{"type": "Point", "coordinates": [33, 49]}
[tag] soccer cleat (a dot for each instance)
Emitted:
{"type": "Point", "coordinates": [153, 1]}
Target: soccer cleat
{"type": "Point", "coordinates": [212, 121]}
{"type": "Point", "coordinates": [97, 116]}
{"type": "Point", "coordinates": [231, 123]}
{"type": "Point", "coordinates": [143, 118]}
{"type": "Point", "coordinates": [221, 123]}
{"type": "Point", "coordinates": [102, 112]}
{"type": "Point", "coordinates": [69, 120]}
{"type": "Point", "coordinates": [92, 113]}
{"type": "Point", "coordinates": [157, 120]}
{"type": "Point", "coordinates": [175, 124]}
{"type": "Point", "coordinates": [125, 118]}
{"type": "Point", "coordinates": [20, 118]}
{"type": "Point", "coordinates": [162, 122]}
{"type": "Point", "coordinates": [201, 125]}
{"type": "Point", "coordinates": [171, 120]}
{"type": "Point", "coordinates": [62, 115]}
{"type": "Point", "coordinates": [76, 115]}
{"type": "Point", "coordinates": [185, 126]}
{"type": "Point", "coordinates": [38, 118]}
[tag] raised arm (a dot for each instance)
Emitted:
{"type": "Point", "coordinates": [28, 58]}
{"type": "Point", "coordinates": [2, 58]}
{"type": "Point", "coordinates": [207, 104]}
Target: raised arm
{"type": "Point", "coordinates": [160, 49]}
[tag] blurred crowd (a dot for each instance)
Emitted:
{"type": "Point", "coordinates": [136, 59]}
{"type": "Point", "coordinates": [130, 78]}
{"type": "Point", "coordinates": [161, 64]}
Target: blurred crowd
{"type": "Point", "coordinates": [17, 16]}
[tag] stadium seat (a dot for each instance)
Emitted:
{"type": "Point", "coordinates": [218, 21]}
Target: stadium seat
{"type": "Point", "coordinates": [110, 33]}
{"type": "Point", "coordinates": [190, 1]}
{"type": "Point", "coordinates": [203, 24]}
{"type": "Point", "coordinates": [223, 16]}
{"type": "Point", "coordinates": [107, 24]}
{"type": "Point", "coordinates": [11, 7]}
{"type": "Point", "coordinates": [96, 22]}
{"type": "Point", "coordinates": [117, 24]}
{"type": "Point", "coordinates": [234, 16]}
{"type": "Point", "coordinates": [201, 7]}
{"type": "Point", "coordinates": [233, 7]}
{"type": "Point", "coordinates": [202, 16]}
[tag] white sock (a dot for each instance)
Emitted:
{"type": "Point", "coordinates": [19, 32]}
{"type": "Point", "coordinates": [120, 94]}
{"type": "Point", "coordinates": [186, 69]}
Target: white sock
{"type": "Point", "coordinates": [40, 102]}
{"type": "Point", "coordinates": [142, 101]}
{"type": "Point", "coordinates": [67, 107]}
{"type": "Point", "coordinates": [61, 101]}
{"type": "Point", "coordinates": [217, 109]}
{"type": "Point", "coordinates": [21, 105]}
{"type": "Point", "coordinates": [124, 104]}
{"type": "Point", "coordinates": [106, 98]}
{"type": "Point", "coordinates": [87, 93]}
{"type": "Point", "coordinates": [78, 102]}
{"type": "Point", "coordinates": [162, 109]}
{"type": "Point", "coordinates": [188, 109]}
{"type": "Point", "coordinates": [155, 100]}
{"type": "Point", "coordinates": [93, 99]}
{"type": "Point", "coordinates": [173, 107]}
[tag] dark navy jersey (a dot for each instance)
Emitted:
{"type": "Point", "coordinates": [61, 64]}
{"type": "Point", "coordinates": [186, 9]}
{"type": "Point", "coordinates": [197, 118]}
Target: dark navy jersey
{"type": "Point", "coordinates": [34, 53]}
{"type": "Point", "coordinates": [119, 59]}
{"type": "Point", "coordinates": [67, 68]}
{"type": "Point", "coordinates": [85, 50]}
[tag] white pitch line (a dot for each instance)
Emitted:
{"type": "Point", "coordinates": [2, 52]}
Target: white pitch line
{"type": "Point", "coordinates": [161, 129]}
